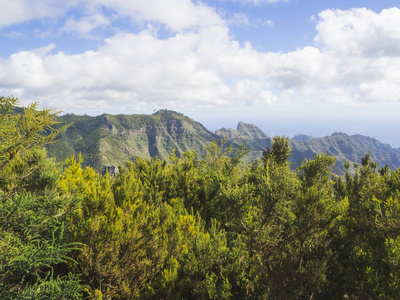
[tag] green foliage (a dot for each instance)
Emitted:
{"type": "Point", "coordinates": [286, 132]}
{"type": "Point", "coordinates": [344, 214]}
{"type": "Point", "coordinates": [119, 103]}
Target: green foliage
{"type": "Point", "coordinates": [364, 243]}
{"type": "Point", "coordinates": [35, 248]}
{"type": "Point", "coordinates": [131, 235]}
{"type": "Point", "coordinates": [34, 239]}
{"type": "Point", "coordinates": [190, 228]}
{"type": "Point", "coordinates": [22, 137]}
{"type": "Point", "coordinates": [279, 151]}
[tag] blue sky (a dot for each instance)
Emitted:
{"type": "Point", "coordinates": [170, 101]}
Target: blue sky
{"type": "Point", "coordinates": [312, 67]}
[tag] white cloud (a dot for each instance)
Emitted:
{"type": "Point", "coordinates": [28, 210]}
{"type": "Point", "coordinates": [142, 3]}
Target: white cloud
{"type": "Point", "coordinates": [255, 92]}
{"type": "Point", "coordinates": [176, 15]}
{"type": "Point", "coordinates": [360, 32]}
{"type": "Point", "coordinates": [131, 67]}
{"type": "Point", "coordinates": [86, 25]}
{"type": "Point", "coordinates": [269, 23]}
{"type": "Point", "coordinates": [339, 95]}
{"type": "Point", "coordinates": [197, 69]}
{"type": "Point", "coordinates": [356, 59]}
{"type": "Point", "coordinates": [19, 11]}
{"type": "Point", "coordinates": [25, 70]}
{"type": "Point", "coordinates": [239, 19]}
{"type": "Point", "coordinates": [366, 46]}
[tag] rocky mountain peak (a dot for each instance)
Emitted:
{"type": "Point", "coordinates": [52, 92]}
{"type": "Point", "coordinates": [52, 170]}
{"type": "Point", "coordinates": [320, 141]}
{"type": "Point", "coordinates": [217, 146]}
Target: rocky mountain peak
{"type": "Point", "coordinates": [339, 134]}
{"type": "Point", "coordinates": [303, 137]}
{"type": "Point", "coordinates": [251, 131]}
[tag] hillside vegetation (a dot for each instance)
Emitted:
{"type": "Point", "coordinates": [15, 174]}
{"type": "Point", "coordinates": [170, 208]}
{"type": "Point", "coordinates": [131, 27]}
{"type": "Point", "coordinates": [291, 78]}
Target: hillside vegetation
{"type": "Point", "coordinates": [110, 140]}
{"type": "Point", "coordinates": [190, 228]}
{"type": "Point", "coordinates": [107, 141]}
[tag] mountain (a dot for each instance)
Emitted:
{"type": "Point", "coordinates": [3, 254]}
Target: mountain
{"type": "Point", "coordinates": [303, 137]}
{"type": "Point", "coordinates": [110, 140]}
{"type": "Point", "coordinates": [107, 141]}
{"type": "Point", "coordinates": [251, 131]}
{"type": "Point", "coordinates": [249, 134]}
{"type": "Point", "coordinates": [340, 145]}
{"type": "Point", "coordinates": [243, 131]}
{"type": "Point", "coordinates": [346, 148]}
{"type": "Point", "coordinates": [229, 133]}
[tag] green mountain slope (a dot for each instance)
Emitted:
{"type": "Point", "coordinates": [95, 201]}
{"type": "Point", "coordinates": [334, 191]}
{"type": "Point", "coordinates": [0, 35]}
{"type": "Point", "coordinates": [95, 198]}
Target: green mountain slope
{"type": "Point", "coordinates": [340, 145]}
{"type": "Point", "coordinates": [110, 140]}
{"type": "Point", "coordinates": [346, 148]}
{"type": "Point", "coordinates": [107, 141]}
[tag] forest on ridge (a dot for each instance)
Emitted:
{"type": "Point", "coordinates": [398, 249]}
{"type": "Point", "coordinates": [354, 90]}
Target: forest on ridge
{"type": "Point", "coordinates": [190, 228]}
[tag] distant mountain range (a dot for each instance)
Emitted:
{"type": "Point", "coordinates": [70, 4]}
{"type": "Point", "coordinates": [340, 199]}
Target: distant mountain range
{"type": "Point", "coordinates": [107, 141]}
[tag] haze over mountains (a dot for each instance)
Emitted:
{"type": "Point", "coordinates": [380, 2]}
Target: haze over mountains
{"type": "Point", "coordinates": [107, 141]}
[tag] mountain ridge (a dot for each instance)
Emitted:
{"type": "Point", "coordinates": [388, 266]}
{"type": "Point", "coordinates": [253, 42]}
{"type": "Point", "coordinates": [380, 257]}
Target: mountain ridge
{"type": "Point", "coordinates": [107, 141]}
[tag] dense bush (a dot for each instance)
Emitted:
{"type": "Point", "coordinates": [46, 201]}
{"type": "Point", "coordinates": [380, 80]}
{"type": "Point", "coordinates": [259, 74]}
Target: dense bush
{"type": "Point", "coordinates": [189, 228]}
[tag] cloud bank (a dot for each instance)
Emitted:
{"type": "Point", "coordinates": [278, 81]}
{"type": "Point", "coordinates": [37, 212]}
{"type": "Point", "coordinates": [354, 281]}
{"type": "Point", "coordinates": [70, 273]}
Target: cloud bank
{"type": "Point", "coordinates": [355, 59]}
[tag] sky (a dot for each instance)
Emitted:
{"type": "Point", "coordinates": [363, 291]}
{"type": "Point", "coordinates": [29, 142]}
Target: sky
{"type": "Point", "coordinates": [288, 66]}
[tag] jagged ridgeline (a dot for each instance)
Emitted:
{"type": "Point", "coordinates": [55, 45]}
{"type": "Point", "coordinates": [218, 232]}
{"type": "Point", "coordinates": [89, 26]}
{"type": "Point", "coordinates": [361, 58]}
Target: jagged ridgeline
{"type": "Point", "coordinates": [107, 141]}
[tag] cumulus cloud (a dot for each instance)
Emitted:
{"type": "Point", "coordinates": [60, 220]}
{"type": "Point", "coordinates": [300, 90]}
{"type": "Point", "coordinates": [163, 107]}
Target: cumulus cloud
{"type": "Point", "coordinates": [136, 67]}
{"type": "Point", "coordinates": [26, 69]}
{"type": "Point", "coordinates": [355, 59]}
{"type": "Point", "coordinates": [360, 32]}
{"type": "Point", "coordinates": [190, 68]}
{"type": "Point", "coordinates": [366, 47]}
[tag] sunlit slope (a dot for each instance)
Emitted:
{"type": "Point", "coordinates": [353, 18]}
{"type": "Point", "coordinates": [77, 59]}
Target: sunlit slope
{"type": "Point", "coordinates": [111, 140]}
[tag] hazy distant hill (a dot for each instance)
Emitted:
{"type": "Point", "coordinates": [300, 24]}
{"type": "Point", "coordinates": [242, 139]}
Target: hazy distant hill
{"type": "Point", "coordinates": [303, 137]}
{"type": "Point", "coordinates": [340, 145]}
{"type": "Point", "coordinates": [110, 140]}
{"type": "Point", "coordinates": [249, 134]}
{"type": "Point", "coordinates": [346, 148]}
